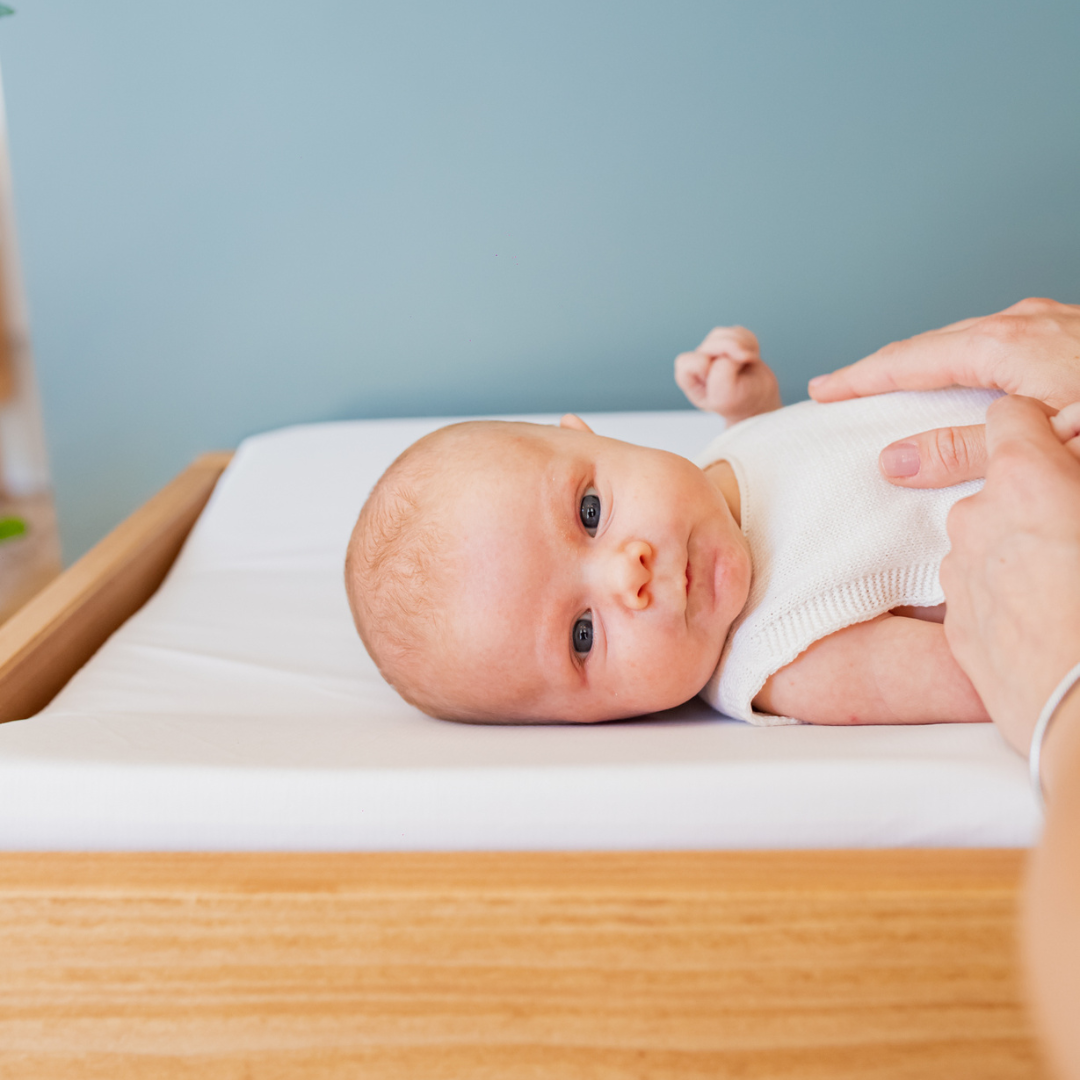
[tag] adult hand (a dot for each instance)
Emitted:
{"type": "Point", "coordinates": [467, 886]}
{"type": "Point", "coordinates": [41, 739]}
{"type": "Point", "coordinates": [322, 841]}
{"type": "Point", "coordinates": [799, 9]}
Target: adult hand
{"type": "Point", "coordinates": [1031, 348]}
{"type": "Point", "coordinates": [1012, 582]}
{"type": "Point", "coordinates": [1012, 578]}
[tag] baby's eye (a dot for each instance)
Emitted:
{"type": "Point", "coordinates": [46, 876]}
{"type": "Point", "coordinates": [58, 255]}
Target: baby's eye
{"type": "Point", "coordinates": [589, 511]}
{"type": "Point", "coordinates": [582, 634]}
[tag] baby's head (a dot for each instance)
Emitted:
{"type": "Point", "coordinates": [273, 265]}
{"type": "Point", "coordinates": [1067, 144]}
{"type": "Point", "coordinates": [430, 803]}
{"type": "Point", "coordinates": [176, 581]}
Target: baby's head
{"type": "Point", "coordinates": [520, 573]}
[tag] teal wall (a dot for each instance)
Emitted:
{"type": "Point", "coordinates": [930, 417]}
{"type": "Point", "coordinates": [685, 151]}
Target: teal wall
{"type": "Point", "coordinates": [248, 213]}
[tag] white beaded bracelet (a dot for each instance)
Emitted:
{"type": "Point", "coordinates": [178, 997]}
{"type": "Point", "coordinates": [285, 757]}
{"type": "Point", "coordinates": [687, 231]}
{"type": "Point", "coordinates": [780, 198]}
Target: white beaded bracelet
{"type": "Point", "coordinates": [1042, 726]}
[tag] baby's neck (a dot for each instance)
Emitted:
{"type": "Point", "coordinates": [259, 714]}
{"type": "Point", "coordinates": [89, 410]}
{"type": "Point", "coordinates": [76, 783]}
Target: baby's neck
{"type": "Point", "coordinates": [722, 476]}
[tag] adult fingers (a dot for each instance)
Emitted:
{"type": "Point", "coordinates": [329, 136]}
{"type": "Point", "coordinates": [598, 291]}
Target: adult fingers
{"type": "Point", "coordinates": [936, 459]}
{"type": "Point", "coordinates": [1014, 422]}
{"type": "Point", "coordinates": [1066, 427]}
{"type": "Point", "coordinates": [926, 362]}
{"type": "Point", "coordinates": [1066, 424]}
{"type": "Point", "coordinates": [1030, 347]}
{"type": "Point", "coordinates": [1019, 432]}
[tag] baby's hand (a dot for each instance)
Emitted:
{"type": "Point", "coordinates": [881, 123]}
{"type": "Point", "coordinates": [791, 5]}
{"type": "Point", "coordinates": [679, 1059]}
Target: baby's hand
{"type": "Point", "coordinates": [725, 374]}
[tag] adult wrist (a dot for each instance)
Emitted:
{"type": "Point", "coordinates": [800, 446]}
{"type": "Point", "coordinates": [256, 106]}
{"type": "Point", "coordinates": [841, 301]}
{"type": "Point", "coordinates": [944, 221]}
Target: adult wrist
{"type": "Point", "coordinates": [1055, 749]}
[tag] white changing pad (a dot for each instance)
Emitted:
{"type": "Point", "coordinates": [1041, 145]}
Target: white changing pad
{"type": "Point", "coordinates": [238, 710]}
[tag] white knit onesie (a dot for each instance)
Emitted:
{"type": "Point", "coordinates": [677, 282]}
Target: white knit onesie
{"type": "Point", "coordinates": [831, 542]}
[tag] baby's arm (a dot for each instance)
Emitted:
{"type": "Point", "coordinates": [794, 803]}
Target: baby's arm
{"type": "Point", "coordinates": [890, 670]}
{"type": "Point", "coordinates": [725, 374]}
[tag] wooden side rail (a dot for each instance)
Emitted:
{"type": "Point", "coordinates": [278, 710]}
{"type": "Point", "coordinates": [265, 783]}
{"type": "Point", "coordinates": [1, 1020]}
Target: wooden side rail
{"type": "Point", "coordinates": [47, 641]}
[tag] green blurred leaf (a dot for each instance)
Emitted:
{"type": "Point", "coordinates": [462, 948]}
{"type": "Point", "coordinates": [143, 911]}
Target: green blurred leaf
{"type": "Point", "coordinates": [11, 527]}
{"type": "Point", "coordinates": [5, 10]}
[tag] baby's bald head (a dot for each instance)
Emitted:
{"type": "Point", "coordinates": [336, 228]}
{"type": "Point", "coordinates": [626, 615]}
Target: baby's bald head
{"type": "Point", "coordinates": [404, 564]}
{"type": "Point", "coordinates": [394, 569]}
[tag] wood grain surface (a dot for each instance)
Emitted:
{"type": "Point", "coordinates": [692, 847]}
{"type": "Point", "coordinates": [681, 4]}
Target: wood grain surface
{"type": "Point", "coordinates": [53, 635]}
{"type": "Point", "coordinates": [511, 966]}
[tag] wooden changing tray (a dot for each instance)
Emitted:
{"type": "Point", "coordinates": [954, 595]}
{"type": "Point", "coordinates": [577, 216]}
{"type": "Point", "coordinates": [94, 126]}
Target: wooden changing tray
{"type": "Point", "coordinates": [894, 963]}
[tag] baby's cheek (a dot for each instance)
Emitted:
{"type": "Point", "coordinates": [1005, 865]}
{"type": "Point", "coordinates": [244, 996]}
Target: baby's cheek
{"type": "Point", "coordinates": [683, 664]}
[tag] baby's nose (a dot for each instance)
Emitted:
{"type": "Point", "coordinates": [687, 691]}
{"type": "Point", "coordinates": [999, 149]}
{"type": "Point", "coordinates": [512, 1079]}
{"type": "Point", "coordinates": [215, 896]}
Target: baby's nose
{"type": "Point", "coordinates": [632, 574]}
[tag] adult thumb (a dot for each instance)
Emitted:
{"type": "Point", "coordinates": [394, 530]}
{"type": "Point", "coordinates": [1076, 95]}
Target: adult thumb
{"type": "Point", "coordinates": [936, 459]}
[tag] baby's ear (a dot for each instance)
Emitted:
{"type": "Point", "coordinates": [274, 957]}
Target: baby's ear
{"type": "Point", "coordinates": [574, 423]}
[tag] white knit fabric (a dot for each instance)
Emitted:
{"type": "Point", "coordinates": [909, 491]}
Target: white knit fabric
{"type": "Point", "coordinates": [831, 542]}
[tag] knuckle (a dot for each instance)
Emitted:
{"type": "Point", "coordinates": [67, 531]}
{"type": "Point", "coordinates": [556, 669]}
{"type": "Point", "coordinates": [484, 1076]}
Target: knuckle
{"type": "Point", "coordinates": [1001, 328]}
{"type": "Point", "coordinates": [1033, 318]}
{"type": "Point", "coordinates": [1035, 304]}
{"type": "Point", "coordinates": [900, 346]}
{"type": "Point", "coordinates": [1011, 462]}
{"type": "Point", "coordinates": [948, 450]}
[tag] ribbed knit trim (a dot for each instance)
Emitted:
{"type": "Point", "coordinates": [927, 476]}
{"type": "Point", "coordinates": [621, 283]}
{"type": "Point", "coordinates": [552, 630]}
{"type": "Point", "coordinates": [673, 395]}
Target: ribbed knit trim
{"type": "Point", "coordinates": [752, 660]}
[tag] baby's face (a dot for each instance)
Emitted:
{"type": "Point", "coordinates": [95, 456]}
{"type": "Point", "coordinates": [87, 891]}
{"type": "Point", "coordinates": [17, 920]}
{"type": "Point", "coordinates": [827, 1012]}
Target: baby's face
{"type": "Point", "coordinates": [595, 579]}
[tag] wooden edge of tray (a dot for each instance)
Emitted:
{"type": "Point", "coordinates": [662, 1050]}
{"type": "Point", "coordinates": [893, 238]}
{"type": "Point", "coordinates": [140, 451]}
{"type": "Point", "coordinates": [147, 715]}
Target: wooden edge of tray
{"type": "Point", "coordinates": [806, 965]}
{"type": "Point", "coordinates": [45, 642]}
{"type": "Point", "coordinates": [901, 872]}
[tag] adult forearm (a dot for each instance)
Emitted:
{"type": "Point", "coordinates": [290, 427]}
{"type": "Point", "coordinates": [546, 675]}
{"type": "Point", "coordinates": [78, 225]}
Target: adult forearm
{"type": "Point", "coordinates": [1052, 904]}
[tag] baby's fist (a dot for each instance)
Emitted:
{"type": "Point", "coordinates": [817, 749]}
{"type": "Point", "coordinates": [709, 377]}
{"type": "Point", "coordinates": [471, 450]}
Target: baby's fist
{"type": "Point", "coordinates": [725, 374]}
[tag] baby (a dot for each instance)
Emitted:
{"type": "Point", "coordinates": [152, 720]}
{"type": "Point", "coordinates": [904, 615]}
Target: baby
{"type": "Point", "coordinates": [520, 573]}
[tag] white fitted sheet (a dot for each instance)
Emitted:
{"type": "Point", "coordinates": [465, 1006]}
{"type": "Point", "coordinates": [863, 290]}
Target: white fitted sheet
{"type": "Point", "coordinates": [238, 710]}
